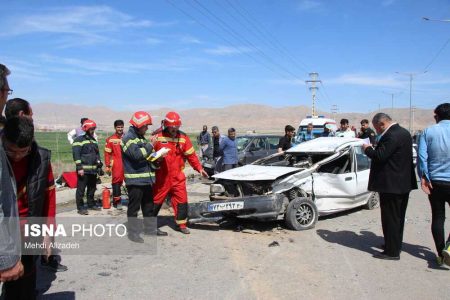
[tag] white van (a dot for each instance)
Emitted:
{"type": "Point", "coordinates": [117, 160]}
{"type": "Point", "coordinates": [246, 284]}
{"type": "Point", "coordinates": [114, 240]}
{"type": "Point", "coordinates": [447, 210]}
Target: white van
{"type": "Point", "coordinates": [318, 124]}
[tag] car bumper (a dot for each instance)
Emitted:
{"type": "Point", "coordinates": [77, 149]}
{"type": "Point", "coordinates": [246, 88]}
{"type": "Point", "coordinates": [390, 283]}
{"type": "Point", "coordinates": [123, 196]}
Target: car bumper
{"type": "Point", "coordinates": [264, 207]}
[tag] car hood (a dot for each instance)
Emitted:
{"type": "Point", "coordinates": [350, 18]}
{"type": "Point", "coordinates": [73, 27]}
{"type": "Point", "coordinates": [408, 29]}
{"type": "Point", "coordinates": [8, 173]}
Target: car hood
{"type": "Point", "coordinates": [254, 173]}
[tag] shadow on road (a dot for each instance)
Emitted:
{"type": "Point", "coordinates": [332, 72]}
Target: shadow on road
{"type": "Point", "coordinates": [366, 240]}
{"type": "Point", "coordinates": [236, 224]}
{"type": "Point", "coordinates": [58, 296]}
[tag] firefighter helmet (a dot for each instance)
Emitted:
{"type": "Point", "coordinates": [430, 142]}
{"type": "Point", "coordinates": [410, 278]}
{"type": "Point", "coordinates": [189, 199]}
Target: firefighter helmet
{"type": "Point", "coordinates": [172, 120]}
{"type": "Point", "coordinates": [88, 124]}
{"type": "Point", "coordinates": [141, 118]}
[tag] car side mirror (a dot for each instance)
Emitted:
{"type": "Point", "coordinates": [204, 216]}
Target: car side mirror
{"type": "Point", "coordinates": [252, 148]}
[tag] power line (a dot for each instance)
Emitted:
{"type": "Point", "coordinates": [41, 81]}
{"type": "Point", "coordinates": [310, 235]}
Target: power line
{"type": "Point", "coordinates": [325, 92]}
{"type": "Point", "coordinates": [437, 55]}
{"type": "Point", "coordinates": [225, 39]}
{"type": "Point", "coordinates": [266, 33]}
{"type": "Point", "coordinates": [238, 36]}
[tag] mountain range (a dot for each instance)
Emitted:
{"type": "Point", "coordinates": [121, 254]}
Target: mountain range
{"type": "Point", "coordinates": [243, 117]}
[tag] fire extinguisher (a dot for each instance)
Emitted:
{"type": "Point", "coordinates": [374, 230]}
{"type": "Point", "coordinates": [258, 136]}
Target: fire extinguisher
{"type": "Point", "coordinates": [106, 198]}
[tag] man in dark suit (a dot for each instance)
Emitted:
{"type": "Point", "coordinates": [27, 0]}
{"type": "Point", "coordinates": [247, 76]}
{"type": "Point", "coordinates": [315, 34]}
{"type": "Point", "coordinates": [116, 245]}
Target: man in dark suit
{"type": "Point", "coordinates": [392, 176]}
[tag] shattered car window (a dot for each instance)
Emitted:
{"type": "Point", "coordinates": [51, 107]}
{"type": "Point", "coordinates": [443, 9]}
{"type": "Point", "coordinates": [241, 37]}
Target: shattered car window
{"type": "Point", "coordinates": [340, 165]}
{"type": "Point", "coordinates": [362, 160]}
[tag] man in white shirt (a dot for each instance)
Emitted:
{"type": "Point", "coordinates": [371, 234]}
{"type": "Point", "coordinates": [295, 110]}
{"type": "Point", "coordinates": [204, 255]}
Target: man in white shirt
{"type": "Point", "coordinates": [345, 130]}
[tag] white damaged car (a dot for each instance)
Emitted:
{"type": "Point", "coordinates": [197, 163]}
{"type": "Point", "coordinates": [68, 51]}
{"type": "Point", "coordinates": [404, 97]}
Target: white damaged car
{"type": "Point", "coordinates": [319, 177]}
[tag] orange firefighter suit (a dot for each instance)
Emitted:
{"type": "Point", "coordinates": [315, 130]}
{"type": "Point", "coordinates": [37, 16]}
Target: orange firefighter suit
{"type": "Point", "coordinates": [170, 178]}
{"type": "Point", "coordinates": [113, 160]}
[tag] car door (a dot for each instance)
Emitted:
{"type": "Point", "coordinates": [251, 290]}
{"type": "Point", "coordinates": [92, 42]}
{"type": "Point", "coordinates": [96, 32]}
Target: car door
{"type": "Point", "coordinates": [334, 185]}
{"type": "Point", "coordinates": [362, 165]}
{"type": "Point", "coordinates": [255, 150]}
{"type": "Point", "coordinates": [272, 143]}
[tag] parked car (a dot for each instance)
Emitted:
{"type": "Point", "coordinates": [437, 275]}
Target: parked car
{"type": "Point", "coordinates": [250, 148]}
{"type": "Point", "coordinates": [319, 177]}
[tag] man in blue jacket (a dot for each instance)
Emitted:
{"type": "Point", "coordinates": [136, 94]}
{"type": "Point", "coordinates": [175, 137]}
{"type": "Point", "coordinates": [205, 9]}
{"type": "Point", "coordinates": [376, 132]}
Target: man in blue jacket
{"type": "Point", "coordinates": [228, 146]}
{"type": "Point", "coordinates": [434, 173]}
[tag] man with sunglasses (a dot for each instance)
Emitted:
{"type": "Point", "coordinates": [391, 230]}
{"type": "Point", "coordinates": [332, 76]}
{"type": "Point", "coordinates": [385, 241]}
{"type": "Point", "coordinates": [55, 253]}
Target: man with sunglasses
{"type": "Point", "coordinates": [11, 267]}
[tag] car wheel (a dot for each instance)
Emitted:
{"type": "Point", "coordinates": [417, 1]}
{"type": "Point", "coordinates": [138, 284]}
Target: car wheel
{"type": "Point", "coordinates": [301, 214]}
{"type": "Point", "coordinates": [373, 202]}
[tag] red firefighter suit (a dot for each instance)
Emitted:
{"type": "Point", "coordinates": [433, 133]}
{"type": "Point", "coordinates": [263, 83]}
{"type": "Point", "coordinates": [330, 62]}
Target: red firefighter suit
{"type": "Point", "coordinates": [113, 160]}
{"type": "Point", "coordinates": [170, 178]}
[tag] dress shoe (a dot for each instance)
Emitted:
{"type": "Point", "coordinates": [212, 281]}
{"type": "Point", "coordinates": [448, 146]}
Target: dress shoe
{"type": "Point", "coordinates": [159, 232]}
{"type": "Point", "coordinates": [382, 255]}
{"type": "Point", "coordinates": [135, 238]}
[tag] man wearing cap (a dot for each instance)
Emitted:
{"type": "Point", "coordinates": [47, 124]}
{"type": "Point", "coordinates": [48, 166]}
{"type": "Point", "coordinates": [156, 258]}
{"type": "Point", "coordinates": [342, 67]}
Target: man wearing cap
{"type": "Point", "coordinates": [170, 178]}
{"type": "Point", "coordinates": [87, 160]}
{"type": "Point", "coordinates": [139, 172]}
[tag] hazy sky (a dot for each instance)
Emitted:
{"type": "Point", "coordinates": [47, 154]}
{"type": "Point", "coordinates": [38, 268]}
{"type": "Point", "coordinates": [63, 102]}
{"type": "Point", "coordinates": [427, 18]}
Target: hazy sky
{"type": "Point", "coordinates": [197, 53]}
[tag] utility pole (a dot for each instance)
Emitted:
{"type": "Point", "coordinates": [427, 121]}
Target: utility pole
{"type": "Point", "coordinates": [392, 101]}
{"type": "Point", "coordinates": [411, 75]}
{"type": "Point", "coordinates": [334, 111]}
{"type": "Point", "coordinates": [313, 88]}
{"type": "Point", "coordinates": [413, 116]}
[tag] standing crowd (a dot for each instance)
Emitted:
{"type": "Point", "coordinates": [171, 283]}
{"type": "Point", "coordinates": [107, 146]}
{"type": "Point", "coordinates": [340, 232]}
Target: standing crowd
{"type": "Point", "coordinates": [152, 170]}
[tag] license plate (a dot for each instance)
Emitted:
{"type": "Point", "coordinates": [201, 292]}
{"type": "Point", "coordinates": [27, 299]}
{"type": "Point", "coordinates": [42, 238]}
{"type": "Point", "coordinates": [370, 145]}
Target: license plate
{"type": "Point", "coordinates": [206, 165]}
{"type": "Point", "coordinates": [226, 206]}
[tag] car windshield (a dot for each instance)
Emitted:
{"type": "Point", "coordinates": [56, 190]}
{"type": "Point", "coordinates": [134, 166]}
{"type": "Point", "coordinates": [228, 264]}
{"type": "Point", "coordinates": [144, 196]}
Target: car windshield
{"type": "Point", "coordinates": [242, 142]}
{"type": "Point", "coordinates": [298, 160]}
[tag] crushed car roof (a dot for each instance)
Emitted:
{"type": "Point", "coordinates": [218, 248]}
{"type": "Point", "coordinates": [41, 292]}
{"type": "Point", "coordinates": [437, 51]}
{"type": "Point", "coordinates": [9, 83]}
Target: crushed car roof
{"type": "Point", "coordinates": [324, 145]}
{"type": "Point", "coordinates": [255, 172]}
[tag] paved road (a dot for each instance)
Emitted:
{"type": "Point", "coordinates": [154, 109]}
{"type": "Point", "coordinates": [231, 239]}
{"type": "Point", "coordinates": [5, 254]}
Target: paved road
{"type": "Point", "coordinates": [331, 261]}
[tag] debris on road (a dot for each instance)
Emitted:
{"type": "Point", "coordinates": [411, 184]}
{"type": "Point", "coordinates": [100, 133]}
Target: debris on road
{"type": "Point", "coordinates": [274, 244]}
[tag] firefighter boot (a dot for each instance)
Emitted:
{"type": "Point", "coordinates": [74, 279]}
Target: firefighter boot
{"type": "Point", "coordinates": [183, 229]}
{"type": "Point", "coordinates": [155, 212]}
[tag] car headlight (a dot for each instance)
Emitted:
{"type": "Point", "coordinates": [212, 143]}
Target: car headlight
{"type": "Point", "coordinates": [217, 189]}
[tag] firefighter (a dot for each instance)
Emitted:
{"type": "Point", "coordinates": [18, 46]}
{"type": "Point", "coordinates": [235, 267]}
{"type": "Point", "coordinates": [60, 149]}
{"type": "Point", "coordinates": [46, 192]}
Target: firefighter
{"type": "Point", "coordinates": [170, 178]}
{"type": "Point", "coordinates": [139, 175]}
{"type": "Point", "coordinates": [87, 160]}
{"type": "Point", "coordinates": [113, 162]}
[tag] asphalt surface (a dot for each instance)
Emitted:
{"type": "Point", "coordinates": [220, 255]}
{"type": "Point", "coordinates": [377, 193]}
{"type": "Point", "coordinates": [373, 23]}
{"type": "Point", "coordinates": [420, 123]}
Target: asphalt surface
{"type": "Point", "coordinates": [332, 261]}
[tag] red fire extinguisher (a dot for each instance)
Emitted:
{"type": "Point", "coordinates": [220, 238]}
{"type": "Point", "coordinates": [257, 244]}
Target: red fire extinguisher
{"type": "Point", "coordinates": [106, 198]}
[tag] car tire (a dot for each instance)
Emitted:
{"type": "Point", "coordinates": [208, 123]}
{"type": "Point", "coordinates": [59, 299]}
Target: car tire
{"type": "Point", "coordinates": [301, 214]}
{"type": "Point", "coordinates": [373, 202]}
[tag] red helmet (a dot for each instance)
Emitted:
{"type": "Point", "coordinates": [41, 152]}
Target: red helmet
{"type": "Point", "coordinates": [172, 120]}
{"type": "Point", "coordinates": [88, 124]}
{"type": "Point", "coordinates": [141, 118]}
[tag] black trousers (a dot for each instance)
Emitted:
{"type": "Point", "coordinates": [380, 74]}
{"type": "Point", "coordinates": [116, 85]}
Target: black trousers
{"type": "Point", "coordinates": [439, 195]}
{"type": "Point", "coordinates": [139, 197]}
{"type": "Point", "coordinates": [393, 211]}
{"type": "Point", "coordinates": [88, 181]}
{"type": "Point", "coordinates": [116, 191]}
{"type": "Point", "coordinates": [23, 288]}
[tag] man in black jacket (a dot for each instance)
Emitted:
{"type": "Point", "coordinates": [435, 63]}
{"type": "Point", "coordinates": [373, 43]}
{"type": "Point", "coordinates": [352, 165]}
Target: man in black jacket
{"type": "Point", "coordinates": [87, 160]}
{"type": "Point", "coordinates": [392, 176]}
